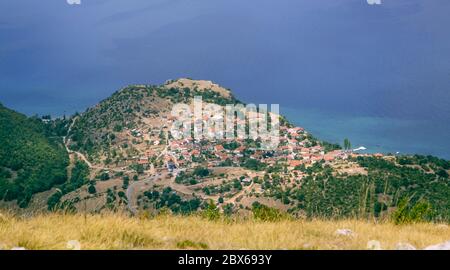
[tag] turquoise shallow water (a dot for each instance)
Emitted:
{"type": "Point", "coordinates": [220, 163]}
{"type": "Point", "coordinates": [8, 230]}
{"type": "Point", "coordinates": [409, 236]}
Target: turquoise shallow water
{"type": "Point", "coordinates": [377, 134]}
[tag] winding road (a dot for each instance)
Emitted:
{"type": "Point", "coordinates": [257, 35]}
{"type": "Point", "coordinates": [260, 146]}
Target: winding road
{"type": "Point", "coordinates": [160, 178]}
{"type": "Point", "coordinates": [137, 186]}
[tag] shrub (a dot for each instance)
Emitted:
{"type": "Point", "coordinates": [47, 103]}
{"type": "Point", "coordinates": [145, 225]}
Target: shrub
{"type": "Point", "coordinates": [201, 172]}
{"type": "Point", "coordinates": [265, 213]}
{"type": "Point", "coordinates": [253, 164]}
{"type": "Point", "coordinates": [406, 214]}
{"type": "Point", "coordinates": [104, 176]}
{"type": "Point", "coordinates": [190, 244]}
{"type": "Point", "coordinates": [54, 201]}
{"type": "Point", "coordinates": [211, 212]}
{"type": "Point", "coordinates": [192, 181]}
{"type": "Point", "coordinates": [126, 182]}
{"type": "Point", "coordinates": [442, 173]}
{"type": "Point", "coordinates": [91, 189]}
{"type": "Point", "coordinates": [228, 209]}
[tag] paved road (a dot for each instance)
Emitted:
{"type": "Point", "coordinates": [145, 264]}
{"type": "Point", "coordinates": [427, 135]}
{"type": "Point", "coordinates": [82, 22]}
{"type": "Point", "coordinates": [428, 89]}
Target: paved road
{"type": "Point", "coordinates": [134, 188]}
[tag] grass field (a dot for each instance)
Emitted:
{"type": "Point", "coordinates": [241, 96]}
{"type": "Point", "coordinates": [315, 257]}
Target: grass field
{"type": "Point", "coordinates": [119, 231]}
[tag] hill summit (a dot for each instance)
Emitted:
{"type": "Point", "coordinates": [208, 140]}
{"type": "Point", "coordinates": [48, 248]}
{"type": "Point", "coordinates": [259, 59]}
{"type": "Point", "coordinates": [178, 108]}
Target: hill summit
{"type": "Point", "coordinates": [201, 85]}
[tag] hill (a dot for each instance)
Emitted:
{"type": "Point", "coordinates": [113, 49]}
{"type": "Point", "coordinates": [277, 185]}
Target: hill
{"type": "Point", "coordinates": [104, 132]}
{"type": "Point", "coordinates": [32, 156]}
{"type": "Point", "coordinates": [123, 157]}
{"type": "Point", "coordinates": [127, 140]}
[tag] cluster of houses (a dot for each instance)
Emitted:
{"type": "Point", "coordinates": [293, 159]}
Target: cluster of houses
{"type": "Point", "coordinates": [298, 150]}
{"type": "Point", "coordinates": [294, 148]}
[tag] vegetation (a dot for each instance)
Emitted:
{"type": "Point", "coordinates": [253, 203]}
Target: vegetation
{"type": "Point", "coordinates": [265, 213]}
{"type": "Point", "coordinates": [187, 244]}
{"type": "Point", "coordinates": [171, 200]}
{"type": "Point", "coordinates": [211, 212]}
{"type": "Point", "coordinates": [233, 145]}
{"type": "Point", "coordinates": [405, 213]}
{"type": "Point", "coordinates": [347, 144]}
{"type": "Point", "coordinates": [253, 164]}
{"type": "Point", "coordinates": [107, 231]}
{"type": "Point", "coordinates": [193, 177]}
{"type": "Point", "coordinates": [93, 131]}
{"type": "Point", "coordinates": [79, 177]}
{"type": "Point", "coordinates": [328, 147]}
{"type": "Point", "coordinates": [403, 189]}
{"type": "Point", "coordinates": [324, 194]}
{"type": "Point", "coordinates": [92, 189]}
{"type": "Point", "coordinates": [31, 161]}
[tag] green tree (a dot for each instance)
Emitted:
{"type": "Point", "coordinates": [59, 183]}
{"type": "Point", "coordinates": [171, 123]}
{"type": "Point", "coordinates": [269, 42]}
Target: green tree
{"type": "Point", "coordinates": [228, 209]}
{"type": "Point", "coordinates": [126, 182]}
{"type": "Point", "coordinates": [347, 144]}
{"type": "Point", "coordinates": [201, 172]}
{"type": "Point", "coordinates": [211, 212]}
{"type": "Point", "coordinates": [92, 189]}
{"type": "Point", "coordinates": [32, 156]}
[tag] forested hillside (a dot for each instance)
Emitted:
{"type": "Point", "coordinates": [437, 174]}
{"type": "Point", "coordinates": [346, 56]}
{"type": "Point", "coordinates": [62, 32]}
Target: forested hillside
{"type": "Point", "coordinates": [32, 156]}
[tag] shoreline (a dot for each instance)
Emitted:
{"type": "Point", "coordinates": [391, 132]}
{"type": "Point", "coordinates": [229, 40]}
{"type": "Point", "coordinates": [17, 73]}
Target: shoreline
{"type": "Point", "coordinates": [378, 135]}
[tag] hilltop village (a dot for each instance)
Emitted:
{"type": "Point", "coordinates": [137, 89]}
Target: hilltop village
{"type": "Point", "coordinates": [123, 155]}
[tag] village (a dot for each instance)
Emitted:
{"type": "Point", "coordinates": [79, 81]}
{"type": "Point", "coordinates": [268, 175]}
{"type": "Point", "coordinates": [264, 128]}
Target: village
{"type": "Point", "coordinates": [229, 170]}
{"type": "Point", "coordinates": [236, 166]}
{"type": "Point", "coordinates": [293, 151]}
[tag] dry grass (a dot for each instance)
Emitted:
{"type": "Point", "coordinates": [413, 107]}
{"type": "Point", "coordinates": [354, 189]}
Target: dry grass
{"type": "Point", "coordinates": [118, 231]}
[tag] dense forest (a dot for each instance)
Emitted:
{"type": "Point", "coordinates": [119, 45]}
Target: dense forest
{"type": "Point", "coordinates": [32, 156]}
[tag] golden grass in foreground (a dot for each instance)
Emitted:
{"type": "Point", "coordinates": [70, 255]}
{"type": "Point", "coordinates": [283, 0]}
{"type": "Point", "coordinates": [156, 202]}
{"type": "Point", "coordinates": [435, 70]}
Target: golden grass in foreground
{"type": "Point", "coordinates": [119, 231]}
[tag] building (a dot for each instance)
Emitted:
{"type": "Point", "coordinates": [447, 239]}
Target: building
{"type": "Point", "coordinates": [171, 166]}
{"type": "Point", "coordinates": [295, 163]}
{"type": "Point", "coordinates": [143, 160]}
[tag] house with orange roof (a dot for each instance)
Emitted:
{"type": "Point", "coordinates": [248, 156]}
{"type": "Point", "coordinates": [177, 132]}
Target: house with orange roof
{"type": "Point", "coordinates": [329, 157]}
{"type": "Point", "coordinates": [240, 149]}
{"type": "Point", "coordinates": [143, 160]}
{"type": "Point", "coordinates": [219, 148]}
{"type": "Point", "coordinates": [294, 163]}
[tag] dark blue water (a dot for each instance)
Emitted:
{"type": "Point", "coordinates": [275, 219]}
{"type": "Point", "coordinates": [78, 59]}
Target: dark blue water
{"type": "Point", "coordinates": [379, 75]}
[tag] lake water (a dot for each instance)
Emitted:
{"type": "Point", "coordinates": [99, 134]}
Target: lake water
{"type": "Point", "coordinates": [377, 74]}
{"type": "Point", "coordinates": [385, 135]}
